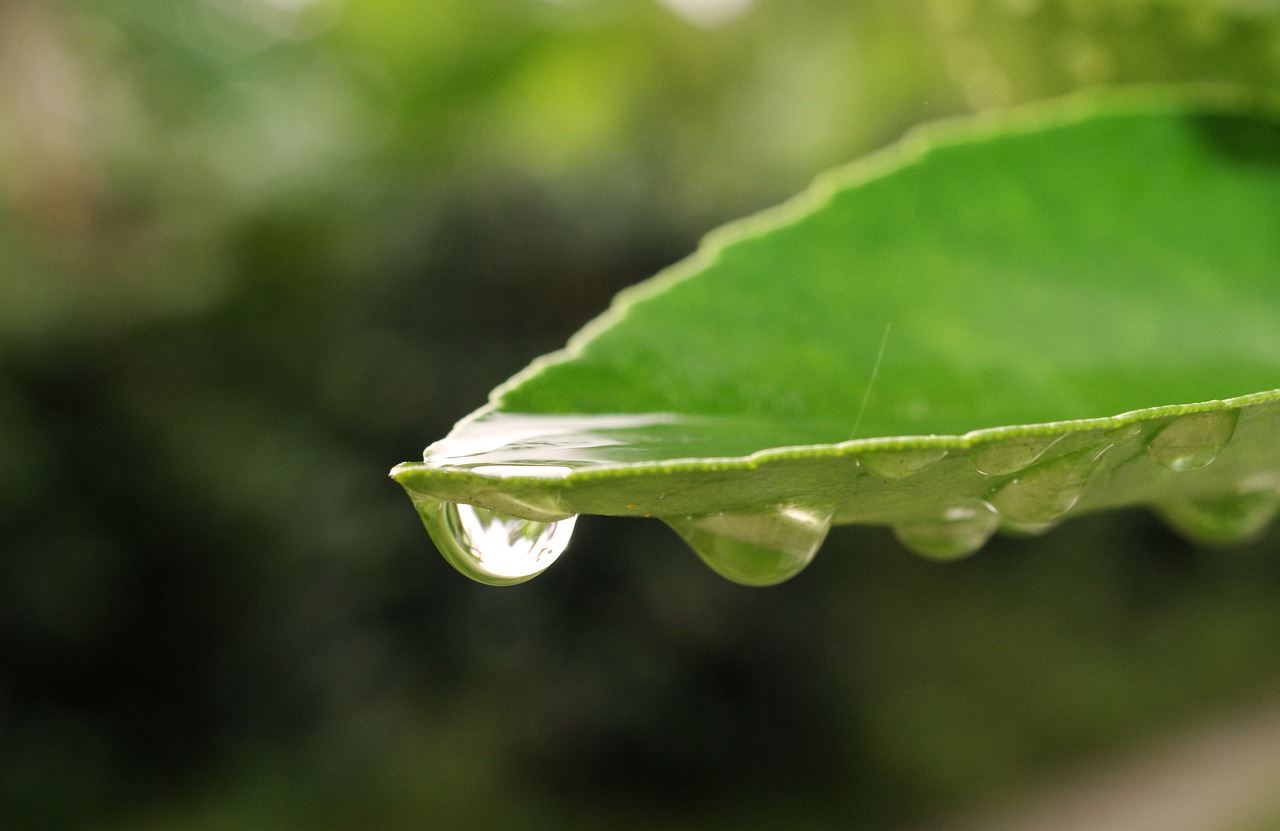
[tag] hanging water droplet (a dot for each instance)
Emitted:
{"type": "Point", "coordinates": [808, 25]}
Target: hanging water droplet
{"type": "Point", "coordinates": [1006, 456]}
{"type": "Point", "coordinates": [1046, 491]}
{"type": "Point", "coordinates": [1193, 441]}
{"type": "Point", "coordinates": [494, 548]}
{"type": "Point", "coordinates": [756, 549]}
{"type": "Point", "coordinates": [960, 531]}
{"type": "Point", "coordinates": [1233, 519]}
{"type": "Point", "coordinates": [901, 463]}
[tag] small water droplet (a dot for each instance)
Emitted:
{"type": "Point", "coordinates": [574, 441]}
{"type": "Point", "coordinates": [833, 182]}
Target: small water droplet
{"type": "Point", "coordinates": [756, 549]}
{"type": "Point", "coordinates": [1233, 519]}
{"type": "Point", "coordinates": [1193, 441]}
{"type": "Point", "coordinates": [899, 464]}
{"type": "Point", "coordinates": [1006, 456]}
{"type": "Point", "coordinates": [1046, 491]}
{"type": "Point", "coordinates": [494, 548]}
{"type": "Point", "coordinates": [961, 530]}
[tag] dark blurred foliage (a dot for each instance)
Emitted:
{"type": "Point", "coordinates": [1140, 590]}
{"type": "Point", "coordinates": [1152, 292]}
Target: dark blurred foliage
{"type": "Point", "coordinates": [254, 252]}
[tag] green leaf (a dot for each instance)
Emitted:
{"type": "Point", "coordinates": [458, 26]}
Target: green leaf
{"type": "Point", "coordinates": [992, 324]}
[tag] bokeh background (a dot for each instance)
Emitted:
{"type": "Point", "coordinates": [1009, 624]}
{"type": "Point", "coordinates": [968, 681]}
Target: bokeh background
{"type": "Point", "coordinates": [255, 252]}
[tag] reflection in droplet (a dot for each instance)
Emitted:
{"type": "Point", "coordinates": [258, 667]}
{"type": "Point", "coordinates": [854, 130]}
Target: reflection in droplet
{"type": "Point", "coordinates": [756, 549]}
{"type": "Point", "coordinates": [1046, 491]}
{"type": "Point", "coordinates": [1006, 456]}
{"type": "Point", "coordinates": [1234, 519]}
{"type": "Point", "coordinates": [1193, 441]}
{"type": "Point", "coordinates": [961, 530]}
{"type": "Point", "coordinates": [494, 548]}
{"type": "Point", "coordinates": [899, 464]}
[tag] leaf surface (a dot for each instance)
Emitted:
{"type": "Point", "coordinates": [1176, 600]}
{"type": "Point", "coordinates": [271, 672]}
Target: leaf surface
{"type": "Point", "coordinates": [997, 322]}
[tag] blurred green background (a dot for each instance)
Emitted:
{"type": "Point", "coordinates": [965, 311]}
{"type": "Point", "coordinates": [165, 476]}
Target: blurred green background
{"type": "Point", "coordinates": [255, 252]}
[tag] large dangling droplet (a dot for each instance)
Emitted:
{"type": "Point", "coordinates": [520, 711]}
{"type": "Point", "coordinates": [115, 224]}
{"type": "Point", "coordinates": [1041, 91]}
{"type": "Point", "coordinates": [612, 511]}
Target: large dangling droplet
{"type": "Point", "coordinates": [756, 549]}
{"type": "Point", "coordinates": [493, 548]}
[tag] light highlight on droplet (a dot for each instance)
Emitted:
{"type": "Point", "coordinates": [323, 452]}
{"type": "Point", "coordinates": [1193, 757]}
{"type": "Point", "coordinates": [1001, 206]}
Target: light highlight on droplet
{"type": "Point", "coordinates": [493, 548]}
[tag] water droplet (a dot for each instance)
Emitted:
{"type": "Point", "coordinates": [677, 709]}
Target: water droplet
{"type": "Point", "coordinates": [1233, 519]}
{"type": "Point", "coordinates": [1046, 491]}
{"type": "Point", "coordinates": [899, 464]}
{"type": "Point", "coordinates": [1000, 458]}
{"type": "Point", "coordinates": [961, 530]}
{"type": "Point", "coordinates": [756, 549]}
{"type": "Point", "coordinates": [1193, 441]}
{"type": "Point", "coordinates": [494, 548]}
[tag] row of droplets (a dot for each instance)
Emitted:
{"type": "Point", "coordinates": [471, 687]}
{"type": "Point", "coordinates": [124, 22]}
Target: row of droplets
{"type": "Point", "coordinates": [766, 547]}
